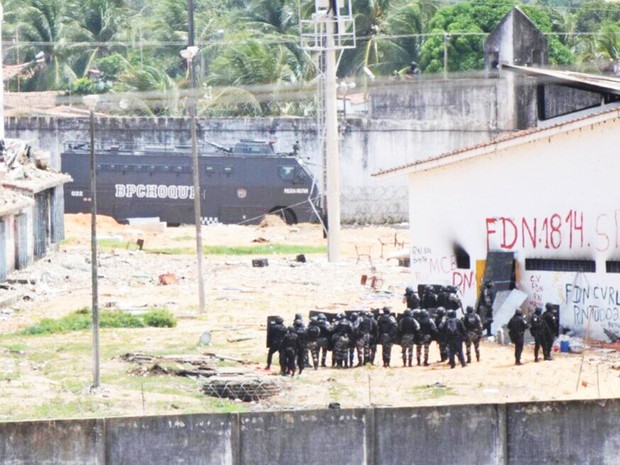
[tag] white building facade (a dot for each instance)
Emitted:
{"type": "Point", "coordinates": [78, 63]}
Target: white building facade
{"type": "Point", "coordinates": [550, 196]}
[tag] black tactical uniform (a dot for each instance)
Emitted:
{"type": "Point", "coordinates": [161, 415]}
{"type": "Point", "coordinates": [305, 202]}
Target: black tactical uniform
{"type": "Point", "coordinates": [290, 349]}
{"type": "Point", "coordinates": [473, 327]}
{"type": "Point", "coordinates": [408, 327]}
{"type": "Point", "coordinates": [314, 332]}
{"type": "Point", "coordinates": [550, 330]}
{"type": "Point", "coordinates": [440, 336]}
{"type": "Point", "coordinates": [537, 329]}
{"type": "Point", "coordinates": [302, 344]}
{"type": "Point", "coordinates": [374, 337]}
{"type": "Point", "coordinates": [425, 335]}
{"type": "Point", "coordinates": [411, 299]}
{"type": "Point", "coordinates": [387, 333]}
{"type": "Point", "coordinates": [364, 330]}
{"type": "Point", "coordinates": [323, 340]}
{"type": "Point", "coordinates": [355, 321]}
{"type": "Point", "coordinates": [485, 307]}
{"type": "Point", "coordinates": [454, 333]}
{"type": "Point", "coordinates": [516, 329]}
{"type": "Point", "coordinates": [275, 332]}
{"type": "Point", "coordinates": [341, 336]}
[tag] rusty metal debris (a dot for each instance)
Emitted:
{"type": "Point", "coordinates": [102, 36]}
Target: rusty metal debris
{"type": "Point", "coordinates": [246, 389]}
{"type": "Point", "coordinates": [167, 279]}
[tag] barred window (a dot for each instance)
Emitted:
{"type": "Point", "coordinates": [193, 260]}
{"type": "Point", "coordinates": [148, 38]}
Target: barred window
{"type": "Point", "coordinates": [544, 264]}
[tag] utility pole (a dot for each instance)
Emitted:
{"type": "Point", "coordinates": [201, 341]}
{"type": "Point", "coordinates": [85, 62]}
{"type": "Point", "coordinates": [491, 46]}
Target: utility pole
{"type": "Point", "coordinates": [189, 54]}
{"type": "Point", "coordinates": [91, 103]}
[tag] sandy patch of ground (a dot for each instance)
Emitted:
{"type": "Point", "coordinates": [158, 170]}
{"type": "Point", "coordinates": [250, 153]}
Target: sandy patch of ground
{"type": "Point", "coordinates": [239, 299]}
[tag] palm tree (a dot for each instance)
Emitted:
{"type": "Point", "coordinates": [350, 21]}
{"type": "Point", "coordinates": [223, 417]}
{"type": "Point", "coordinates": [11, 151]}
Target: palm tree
{"type": "Point", "coordinates": [44, 27]}
{"type": "Point", "coordinates": [100, 22]}
{"type": "Point", "coordinates": [388, 34]}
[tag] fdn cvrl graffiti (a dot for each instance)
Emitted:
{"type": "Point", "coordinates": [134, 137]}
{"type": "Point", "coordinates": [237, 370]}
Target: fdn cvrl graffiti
{"type": "Point", "coordinates": [571, 230]}
{"type": "Point", "coordinates": [592, 304]}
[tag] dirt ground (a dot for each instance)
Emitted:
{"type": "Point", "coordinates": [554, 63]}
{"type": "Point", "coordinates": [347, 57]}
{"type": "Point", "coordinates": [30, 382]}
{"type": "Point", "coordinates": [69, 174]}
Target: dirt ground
{"type": "Point", "coordinates": [42, 370]}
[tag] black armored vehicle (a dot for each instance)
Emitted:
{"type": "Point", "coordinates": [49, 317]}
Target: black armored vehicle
{"type": "Point", "coordinates": [237, 185]}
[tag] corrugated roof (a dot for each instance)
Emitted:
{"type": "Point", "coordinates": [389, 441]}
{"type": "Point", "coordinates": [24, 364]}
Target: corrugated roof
{"type": "Point", "coordinates": [506, 140]}
{"type": "Point", "coordinates": [607, 84]}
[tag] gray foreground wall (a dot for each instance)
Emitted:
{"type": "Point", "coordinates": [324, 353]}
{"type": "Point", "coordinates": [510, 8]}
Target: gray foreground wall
{"type": "Point", "coordinates": [575, 432]}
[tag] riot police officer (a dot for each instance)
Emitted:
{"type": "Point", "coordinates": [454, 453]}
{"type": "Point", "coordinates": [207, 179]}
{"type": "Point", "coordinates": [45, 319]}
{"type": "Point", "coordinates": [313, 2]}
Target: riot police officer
{"type": "Point", "coordinates": [485, 306]}
{"type": "Point", "coordinates": [387, 333]}
{"type": "Point", "coordinates": [364, 330]}
{"type": "Point", "coordinates": [314, 332]}
{"type": "Point", "coordinates": [289, 352]}
{"type": "Point", "coordinates": [440, 337]}
{"type": "Point", "coordinates": [537, 329]}
{"type": "Point", "coordinates": [324, 337]}
{"type": "Point", "coordinates": [425, 335]}
{"type": "Point", "coordinates": [454, 333]}
{"type": "Point", "coordinates": [302, 344]}
{"type": "Point", "coordinates": [550, 330]}
{"type": "Point", "coordinates": [411, 299]}
{"type": "Point", "coordinates": [341, 336]}
{"type": "Point", "coordinates": [473, 328]}
{"type": "Point", "coordinates": [275, 332]}
{"type": "Point", "coordinates": [516, 330]}
{"type": "Point", "coordinates": [408, 328]}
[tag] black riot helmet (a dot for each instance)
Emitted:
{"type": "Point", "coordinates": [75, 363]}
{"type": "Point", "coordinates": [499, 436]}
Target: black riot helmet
{"type": "Point", "coordinates": [279, 320]}
{"type": "Point", "coordinates": [451, 314]}
{"type": "Point", "coordinates": [469, 309]}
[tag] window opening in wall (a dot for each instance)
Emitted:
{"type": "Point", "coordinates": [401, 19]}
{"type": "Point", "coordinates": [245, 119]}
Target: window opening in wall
{"type": "Point", "coordinates": [462, 258]}
{"type": "Point", "coordinates": [612, 266]}
{"type": "Point", "coordinates": [545, 264]}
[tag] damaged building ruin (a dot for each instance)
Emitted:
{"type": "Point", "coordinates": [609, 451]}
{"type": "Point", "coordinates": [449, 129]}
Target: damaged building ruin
{"type": "Point", "coordinates": [31, 206]}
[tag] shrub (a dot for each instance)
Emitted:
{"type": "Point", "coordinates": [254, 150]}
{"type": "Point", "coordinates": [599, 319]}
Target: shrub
{"type": "Point", "coordinates": [160, 318]}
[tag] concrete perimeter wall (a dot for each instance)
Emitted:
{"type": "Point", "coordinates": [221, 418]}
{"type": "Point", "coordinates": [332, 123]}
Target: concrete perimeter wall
{"type": "Point", "coordinates": [409, 121]}
{"type": "Point", "coordinates": [575, 432]}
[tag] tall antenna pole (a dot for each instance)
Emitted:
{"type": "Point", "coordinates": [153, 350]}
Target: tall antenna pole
{"type": "Point", "coordinates": [330, 28]}
{"type": "Point", "coordinates": [331, 143]}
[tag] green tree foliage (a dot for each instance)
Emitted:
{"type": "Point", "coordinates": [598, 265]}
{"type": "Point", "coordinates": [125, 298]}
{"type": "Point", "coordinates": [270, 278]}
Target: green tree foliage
{"type": "Point", "coordinates": [247, 46]}
{"type": "Point", "coordinates": [592, 15]}
{"type": "Point", "coordinates": [467, 24]}
{"type": "Point", "coordinates": [388, 35]}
